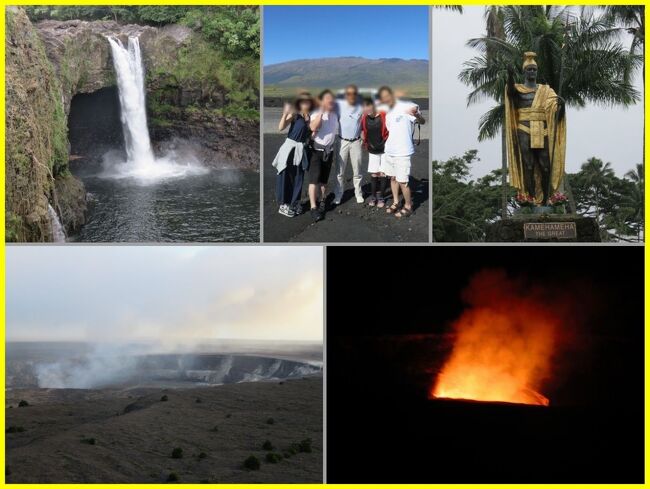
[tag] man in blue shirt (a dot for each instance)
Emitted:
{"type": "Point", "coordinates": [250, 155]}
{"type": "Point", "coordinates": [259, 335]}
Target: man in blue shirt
{"type": "Point", "coordinates": [350, 144]}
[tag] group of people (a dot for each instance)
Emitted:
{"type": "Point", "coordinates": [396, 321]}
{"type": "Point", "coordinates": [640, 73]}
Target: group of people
{"type": "Point", "coordinates": [330, 132]}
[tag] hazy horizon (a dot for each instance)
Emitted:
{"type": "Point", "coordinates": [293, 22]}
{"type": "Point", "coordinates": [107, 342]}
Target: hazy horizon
{"type": "Point", "coordinates": [181, 295]}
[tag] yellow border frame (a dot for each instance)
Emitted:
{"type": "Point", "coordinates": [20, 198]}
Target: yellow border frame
{"type": "Point", "coordinates": [288, 2]}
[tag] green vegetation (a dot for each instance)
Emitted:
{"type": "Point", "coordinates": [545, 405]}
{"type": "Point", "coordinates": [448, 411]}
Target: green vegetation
{"type": "Point", "coordinates": [305, 446]}
{"type": "Point", "coordinates": [177, 452]}
{"type": "Point", "coordinates": [202, 455]}
{"type": "Point", "coordinates": [16, 429]}
{"type": "Point", "coordinates": [273, 458]}
{"type": "Point", "coordinates": [89, 441]}
{"type": "Point", "coordinates": [252, 463]}
{"type": "Point", "coordinates": [462, 206]}
{"type": "Point", "coordinates": [172, 477]}
{"type": "Point", "coordinates": [270, 421]}
{"type": "Point", "coordinates": [164, 398]}
{"type": "Point", "coordinates": [23, 403]}
{"type": "Point", "coordinates": [223, 58]}
{"type": "Point", "coordinates": [267, 445]}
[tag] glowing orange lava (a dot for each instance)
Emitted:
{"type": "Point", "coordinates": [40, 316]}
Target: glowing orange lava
{"type": "Point", "coordinates": [503, 344]}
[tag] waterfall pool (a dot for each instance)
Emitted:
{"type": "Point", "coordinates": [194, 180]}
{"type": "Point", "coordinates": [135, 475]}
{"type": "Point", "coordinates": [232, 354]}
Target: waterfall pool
{"type": "Point", "coordinates": [217, 206]}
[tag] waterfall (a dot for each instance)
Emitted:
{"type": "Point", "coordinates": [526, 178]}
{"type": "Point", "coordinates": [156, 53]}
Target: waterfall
{"type": "Point", "coordinates": [58, 233]}
{"type": "Point", "coordinates": [129, 71]}
{"type": "Point", "coordinates": [140, 163]}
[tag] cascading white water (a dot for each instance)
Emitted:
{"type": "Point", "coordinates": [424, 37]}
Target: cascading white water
{"type": "Point", "coordinates": [141, 163]}
{"type": "Point", "coordinates": [130, 82]}
{"type": "Point", "coordinates": [58, 234]}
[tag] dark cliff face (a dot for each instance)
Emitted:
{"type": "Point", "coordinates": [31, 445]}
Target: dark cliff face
{"type": "Point", "coordinates": [220, 142]}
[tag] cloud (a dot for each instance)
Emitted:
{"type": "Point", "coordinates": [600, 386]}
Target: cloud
{"type": "Point", "coordinates": [179, 293]}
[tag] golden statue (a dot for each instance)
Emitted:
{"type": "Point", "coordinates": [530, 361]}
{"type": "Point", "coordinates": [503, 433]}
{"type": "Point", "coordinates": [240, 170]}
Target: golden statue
{"type": "Point", "coordinates": [535, 135]}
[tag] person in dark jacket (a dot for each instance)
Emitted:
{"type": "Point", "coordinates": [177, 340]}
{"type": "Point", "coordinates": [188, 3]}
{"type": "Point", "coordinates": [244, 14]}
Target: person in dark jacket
{"type": "Point", "coordinates": [292, 159]}
{"type": "Point", "coordinates": [374, 134]}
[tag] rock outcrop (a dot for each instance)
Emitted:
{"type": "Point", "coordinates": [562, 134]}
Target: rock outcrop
{"type": "Point", "coordinates": [36, 160]}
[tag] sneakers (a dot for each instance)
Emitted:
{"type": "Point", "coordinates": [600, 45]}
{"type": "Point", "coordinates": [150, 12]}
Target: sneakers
{"type": "Point", "coordinates": [360, 199]}
{"type": "Point", "coordinates": [316, 215]}
{"type": "Point", "coordinates": [297, 209]}
{"type": "Point", "coordinates": [285, 210]}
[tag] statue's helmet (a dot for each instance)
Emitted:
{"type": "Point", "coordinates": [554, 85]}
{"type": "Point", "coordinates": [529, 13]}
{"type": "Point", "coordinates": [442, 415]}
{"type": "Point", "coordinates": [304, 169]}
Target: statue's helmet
{"type": "Point", "coordinates": [529, 59]}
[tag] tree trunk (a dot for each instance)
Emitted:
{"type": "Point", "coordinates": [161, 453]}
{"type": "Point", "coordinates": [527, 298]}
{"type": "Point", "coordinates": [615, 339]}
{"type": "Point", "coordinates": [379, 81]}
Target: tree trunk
{"type": "Point", "coordinates": [569, 193]}
{"type": "Point", "coordinates": [504, 174]}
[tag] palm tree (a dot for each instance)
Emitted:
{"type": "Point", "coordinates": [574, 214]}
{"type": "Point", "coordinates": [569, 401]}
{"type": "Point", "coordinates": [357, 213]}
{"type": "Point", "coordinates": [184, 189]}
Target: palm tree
{"type": "Point", "coordinates": [630, 18]}
{"type": "Point", "coordinates": [584, 46]}
{"type": "Point", "coordinates": [578, 56]}
{"type": "Point", "coordinates": [495, 29]}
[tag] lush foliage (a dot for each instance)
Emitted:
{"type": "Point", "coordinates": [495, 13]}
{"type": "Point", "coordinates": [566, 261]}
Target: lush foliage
{"type": "Point", "coordinates": [224, 56]}
{"type": "Point", "coordinates": [579, 54]}
{"type": "Point", "coordinates": [462, 206]}
{"type": "Point", "coordinates": [235, 30]}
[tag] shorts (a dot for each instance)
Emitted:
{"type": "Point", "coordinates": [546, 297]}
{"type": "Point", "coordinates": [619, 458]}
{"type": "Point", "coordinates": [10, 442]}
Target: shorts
{"type": "Point", "coordinates": [376, 162]}
{"type": "Point", "coordinates": [398, 167]}
{"type": "Point", "coordinates": [319, 170]}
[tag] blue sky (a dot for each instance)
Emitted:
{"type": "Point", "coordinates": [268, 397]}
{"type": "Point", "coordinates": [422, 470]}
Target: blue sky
{"type": "Point", "coordinates": [167, 293]}
{"type": "Point", "coordinates": [369, 32]}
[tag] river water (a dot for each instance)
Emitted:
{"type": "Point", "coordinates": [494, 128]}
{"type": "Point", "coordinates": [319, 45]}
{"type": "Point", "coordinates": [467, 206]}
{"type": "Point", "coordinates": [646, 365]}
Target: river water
{"type": "Point", "coordinates": [218, 206]}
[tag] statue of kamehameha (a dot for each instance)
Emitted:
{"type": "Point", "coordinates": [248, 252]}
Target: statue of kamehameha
{"type": "Point", "coordinates": [535, 134]}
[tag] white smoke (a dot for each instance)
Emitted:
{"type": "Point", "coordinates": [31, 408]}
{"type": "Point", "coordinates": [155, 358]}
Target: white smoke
{"type": "Point", "coordinates": [103, 366]}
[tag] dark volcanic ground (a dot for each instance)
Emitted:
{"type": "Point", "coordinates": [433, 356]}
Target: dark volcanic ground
{"type": "Point", "coordinates": [349, 222]}
{"type": "Point", "coordinates": [135, 433]}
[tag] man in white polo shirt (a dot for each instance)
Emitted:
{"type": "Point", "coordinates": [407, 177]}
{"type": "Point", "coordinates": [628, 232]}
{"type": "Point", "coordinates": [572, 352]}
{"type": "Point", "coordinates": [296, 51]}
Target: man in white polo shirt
{"type": "Point", "coordinates": [349, 144]}
{"type": "Point", "coordinates": [400, 122]}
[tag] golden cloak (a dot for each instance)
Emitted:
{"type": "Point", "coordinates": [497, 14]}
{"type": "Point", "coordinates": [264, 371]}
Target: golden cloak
{"type": "Point", "coordinates": [543, 118]}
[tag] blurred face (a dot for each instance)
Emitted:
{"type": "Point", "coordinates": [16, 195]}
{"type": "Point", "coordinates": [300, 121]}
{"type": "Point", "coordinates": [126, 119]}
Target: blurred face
{"type": "Point", "coordinates": [327, 102]}
{"type": "Point", "coordinates": [387, 98]}
{"type": "Point", "coordinates": [305, 106]}
{"type": "Point", "coordinates": [369, 108]}
{"type": "Point", "coordinates": [351, 95]}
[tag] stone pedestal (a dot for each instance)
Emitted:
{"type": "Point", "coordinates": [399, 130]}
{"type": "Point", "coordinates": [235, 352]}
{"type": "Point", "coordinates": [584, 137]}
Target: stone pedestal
{"type": "Point", "coordinates": [543, 228]}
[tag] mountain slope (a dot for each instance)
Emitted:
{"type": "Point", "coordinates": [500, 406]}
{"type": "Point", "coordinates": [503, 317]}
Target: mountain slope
{"type": "Point", "coordinates": [407, 74]}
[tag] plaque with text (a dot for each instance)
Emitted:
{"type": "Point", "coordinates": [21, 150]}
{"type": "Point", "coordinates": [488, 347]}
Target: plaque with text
{"type": "Point", "coordinates": [550, 230]}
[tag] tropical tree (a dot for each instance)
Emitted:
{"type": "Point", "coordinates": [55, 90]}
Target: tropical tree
{"type": "Point", "coordinates": [634, 201]}
{"type": "Point", "coordinates": [495, 30]}
{"type": "Point", "coordinates": [595, 182]}
{"type": "Point", "coordinates": [630, 18]}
